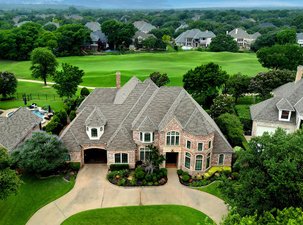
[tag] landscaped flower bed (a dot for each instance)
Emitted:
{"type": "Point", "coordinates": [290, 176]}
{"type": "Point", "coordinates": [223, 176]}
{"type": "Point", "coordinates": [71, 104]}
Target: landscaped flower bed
{"type": "Point", "coordinates": [199, 180]}
{"type": "Point", "coordinates": [123, 176]}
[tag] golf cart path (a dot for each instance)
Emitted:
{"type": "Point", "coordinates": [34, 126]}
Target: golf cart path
{"type": "Point", "coordinates": [92, 191]}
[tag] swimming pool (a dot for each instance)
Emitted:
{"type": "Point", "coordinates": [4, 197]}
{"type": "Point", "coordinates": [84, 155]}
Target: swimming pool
{"type": "Point", "coordinates": [38, 113]}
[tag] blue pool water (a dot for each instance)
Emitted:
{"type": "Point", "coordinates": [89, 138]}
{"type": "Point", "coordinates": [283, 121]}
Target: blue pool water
{"type": "Point", "coordinates": [38, 113]}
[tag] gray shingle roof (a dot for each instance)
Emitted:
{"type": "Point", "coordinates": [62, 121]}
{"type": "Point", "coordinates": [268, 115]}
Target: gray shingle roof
{"type": "Point", "coordinates": [288, 97]}
{"type": "Point", "coordinates": [96, 118]}
{"type": "Point", "coordinates": [96, 35]}
{"type": "Point", "coordinates": [299, 36]}
{"type": "Point", "coordinates": [195, 34]}
{"type": "Point", "coordinates": [142, 35]}
{"type": "Point", "coordinates": [240, 33]}
{"type": "Point", "coordinates": [140, 106]}
{"type": "Point", "coordinates": [144, 26]}
{"type": "Point", "coordinates": [93, 26]}
{"type": "Point", "coordinates": [15, 128]}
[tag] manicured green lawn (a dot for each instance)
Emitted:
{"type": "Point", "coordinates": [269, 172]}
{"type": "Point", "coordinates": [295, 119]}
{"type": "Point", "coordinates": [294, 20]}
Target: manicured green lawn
{"type": "Point", "coordinates": [213, 189]}
{"type": "Point", "coordinates": [33, 194]}
{"type": "Point", "coordinates": [143, 215]}
{"type": "Point", "coordinates": [100, 70]}
{"type": "Point", "coordinates": [40, 95]}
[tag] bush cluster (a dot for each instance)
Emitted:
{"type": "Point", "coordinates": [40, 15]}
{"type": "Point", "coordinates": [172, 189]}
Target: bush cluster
{"type": "Point", "coordinates": [114, 167]}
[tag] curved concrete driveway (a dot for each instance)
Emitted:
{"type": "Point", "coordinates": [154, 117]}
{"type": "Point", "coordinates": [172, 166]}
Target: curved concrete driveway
{"type": "Point", "coordinates": [92, 190]}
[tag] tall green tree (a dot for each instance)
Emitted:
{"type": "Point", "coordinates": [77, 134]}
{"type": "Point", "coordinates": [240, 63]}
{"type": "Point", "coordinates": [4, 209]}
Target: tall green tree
{"type": "Point", "coordinates": [265, 40]}
{"type": "Point", "coordinates": [222, 104]}
{"type": "Point", "coordinates": [271, 169]}
{"type": "Point", "coordinates": [9, 181]}
{"type": "Point", "coordinates": [41, 154]}
{"type": "Point", "coordinates": [71, 37]}
{"type": "Point", "coordinates": [222, 43]}
{"type": "Point", "coordinates": [44, 63]}
{"type": "Point", "coordinates": [119, 34]}
{"type": "Point", "coordinates": [287, 36]}
{"type": "Point", "coordinates": [204, 82]}
{"type": "Point", "coordinates": [67, 80]}
{"type": "Point", "coordinates": [238, 85]}
{"type": "Point", "coordinates": [159, 79]}
{"type": "Point", "coordinates": [232, 128]}
{"type": "Point", "coordinates": [281, 56]}
{"type": "Point", "coordinates": [8, 84]}
{"type": "Point", "coordinates": [265, 82]}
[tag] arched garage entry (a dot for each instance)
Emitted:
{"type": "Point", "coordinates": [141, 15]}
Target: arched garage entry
{"type": "Point", "coordinates": [95, 155]}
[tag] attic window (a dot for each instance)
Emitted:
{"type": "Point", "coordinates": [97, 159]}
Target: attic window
{"type": "Point", "coordinates": [94, 132]}
{"type": "Point", "coordinates": [285, 114]}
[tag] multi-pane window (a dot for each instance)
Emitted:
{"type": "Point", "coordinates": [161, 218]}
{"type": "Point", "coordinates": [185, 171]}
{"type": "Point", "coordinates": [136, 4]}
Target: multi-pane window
{"type": "Point", "coordinates": [187, 160]}
{"type": "Point", "coordinates": [172, 138]}
{"type": "Point", "coordinates": [221, 159]}
{"type": "Point", "coordinates": [188, 144]}
{"type": "Point", "coordinates": [146, 137]}
{"type": "Point", "coordinates": [199, 162]}
{"type": "Point", "coordinates": [145, 154]}
{"type": "Point", "coordinates": [121, 158]}
{"type": "Point", "coordinates": [285, 115]}
{"type": "Point", "coordinates": [94, 132]}
{"type": "Point", "coordinates": [200, 146]}
{"type": "Point", "coordinates": [208, 161]}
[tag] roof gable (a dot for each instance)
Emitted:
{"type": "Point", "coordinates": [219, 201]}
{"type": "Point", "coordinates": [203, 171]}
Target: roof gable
{"type": "Point", "coordinates": [284, 104]}
{"type": "Point", "coordinates": [96, 118]}
{"type": "Point", "coordinates": [147, 125]}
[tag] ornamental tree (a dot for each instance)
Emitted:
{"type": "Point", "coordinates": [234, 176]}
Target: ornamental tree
{"type": "Point", "coordinates": [8, 84]}
{"type": "Point", "coordinates": [237, 85]}
{"type": "Point", "coordinates": [44, 63]}
{"type": "Point", "coordinates": [222, 43]}
{"type": "Point", "coordinates": [222, 104]}
{"type": "Point", "coordinates": [271, 169]}
{"type": "Point", "coordinates": [67, 80]}
{"type": "Point", "coordinates": [9, 181]}
{"type": "Point", "coordinates": [159, 79]}
{"type": "Point", "coordinates": [204, 82]}
{"type": "Point", "coordinates": [43, 153]}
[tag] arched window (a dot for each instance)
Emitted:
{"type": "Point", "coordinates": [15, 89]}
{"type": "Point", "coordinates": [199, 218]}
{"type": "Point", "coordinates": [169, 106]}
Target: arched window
{"type": "Point", "coordinates": [208, 160]}
{"type": "Point", "coordinates": [172, 138]}
{"type": "Point", "coordinates": [221, 159]}
{"type": "Point", "coordinates": [199, 162]}
{"type": "Point", "coordinates": [187, 160]}
{"type": "Point", "coordinates": [94, 132]}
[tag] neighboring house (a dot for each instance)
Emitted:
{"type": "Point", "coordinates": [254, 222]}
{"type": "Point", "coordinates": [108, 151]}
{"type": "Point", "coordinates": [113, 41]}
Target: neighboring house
{"type": "Point", "coordinates": [195, 38]}
{"type": "Point", "coordinates": [17, 127]}
{"type": "Point", "coordinates": [115, 125]}
{"type": "Point", "coordinates": [182, 26]}
{"type": "Point", "coordinates": [144, 26]}
{"type": "Point", "coordinates": [52, 23]}
{"type": "Point", "coordinates": [139, 37]}
{"type": "Point", "coordinates": [98, 38]}
{"type": "Point", "coordinates": [300, 39]}
{"type": "Point", "coordinates": [243, 39]}
{"type": "Point", "coordinates": [284, 109]}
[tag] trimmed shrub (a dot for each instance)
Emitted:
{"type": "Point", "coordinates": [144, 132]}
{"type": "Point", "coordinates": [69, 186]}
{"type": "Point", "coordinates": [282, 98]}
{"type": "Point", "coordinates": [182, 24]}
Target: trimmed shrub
{"type": "Point", "coordinates": [179, 172]}
{"type": "Point", "coordinates": [185, 178]}
{"type": "Point", "coordinates": [115, 167]}
{"type": "Point", "coordinates": [164, 172]}
{"type": "Point", "coordinates": [84, 92]}
{"type": "Point", "coordinates": [75, 165]}
{"type": "Point", "coordinates": [139, 173]}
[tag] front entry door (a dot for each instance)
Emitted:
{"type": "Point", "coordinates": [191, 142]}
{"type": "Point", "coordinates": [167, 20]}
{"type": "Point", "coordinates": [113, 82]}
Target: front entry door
{"type": "Point", "coordinates": [171, 159]}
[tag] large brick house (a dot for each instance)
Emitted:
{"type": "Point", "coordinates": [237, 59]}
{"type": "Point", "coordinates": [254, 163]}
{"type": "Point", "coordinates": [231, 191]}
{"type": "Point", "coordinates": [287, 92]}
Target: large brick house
{"type": "Point", "coordinates": [115, 125]}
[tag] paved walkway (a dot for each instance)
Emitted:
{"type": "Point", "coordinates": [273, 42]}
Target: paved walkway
{"type": "Point", "coordinates": [49, 83]}
{"type": "Point", "coordinates": [92, 190]}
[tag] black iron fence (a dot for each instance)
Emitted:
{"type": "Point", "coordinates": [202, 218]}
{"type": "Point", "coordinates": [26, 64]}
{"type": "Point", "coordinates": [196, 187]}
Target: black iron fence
{"type": "Point", "coordinates": [38, 96]}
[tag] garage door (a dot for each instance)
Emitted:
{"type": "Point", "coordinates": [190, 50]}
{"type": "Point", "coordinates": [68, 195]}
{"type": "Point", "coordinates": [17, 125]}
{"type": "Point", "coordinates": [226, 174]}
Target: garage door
{"type": "Point", "coordinates": [95, 156]}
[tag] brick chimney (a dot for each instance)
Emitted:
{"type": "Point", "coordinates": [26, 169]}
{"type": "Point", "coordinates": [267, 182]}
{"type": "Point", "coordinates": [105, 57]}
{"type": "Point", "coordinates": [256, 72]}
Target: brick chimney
{"type": "Point", "coordinates": [118, 79]}
{"type": "Point", "coordinates": [299, 73]}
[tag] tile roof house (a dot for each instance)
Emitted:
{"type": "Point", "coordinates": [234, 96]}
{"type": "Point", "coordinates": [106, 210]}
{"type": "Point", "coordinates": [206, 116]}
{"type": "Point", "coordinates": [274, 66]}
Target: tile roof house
{"type": "Point", "coordinates": [195, 38]}
{"type": "Point", "coordinates": [115, 125]}
{"type": "Point", "coordinates": [243, 39]}
{"type": "Point", "coordinates": [300, 39]}
{"type": "Point", "coordinates": [284, 109]}
{"type": "Point", "coordinates": [17, 127]}
{"type": "Point", "coordinates": [144, 26]}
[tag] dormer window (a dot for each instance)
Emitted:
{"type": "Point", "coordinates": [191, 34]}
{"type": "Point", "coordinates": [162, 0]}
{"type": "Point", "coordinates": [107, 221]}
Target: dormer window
{"type": "Point", "coordinates": [285, 115]}
{"type": "Point", "coordinates": [285, 108]}
{"type": "Point", "coordinates": [146, 137]}
{"type": "Point", "coordinates": [94, 132]}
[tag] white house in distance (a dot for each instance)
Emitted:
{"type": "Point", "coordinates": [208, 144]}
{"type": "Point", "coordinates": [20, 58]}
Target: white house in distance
{"type": "Point", "coordinates": [195, 38]}
{"type": "Point", "coordinates": [284, 109]}
{"type": "Point", "coordinates": [300, 39]}
{"type": "Point", "coordinates": [243, 39]}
